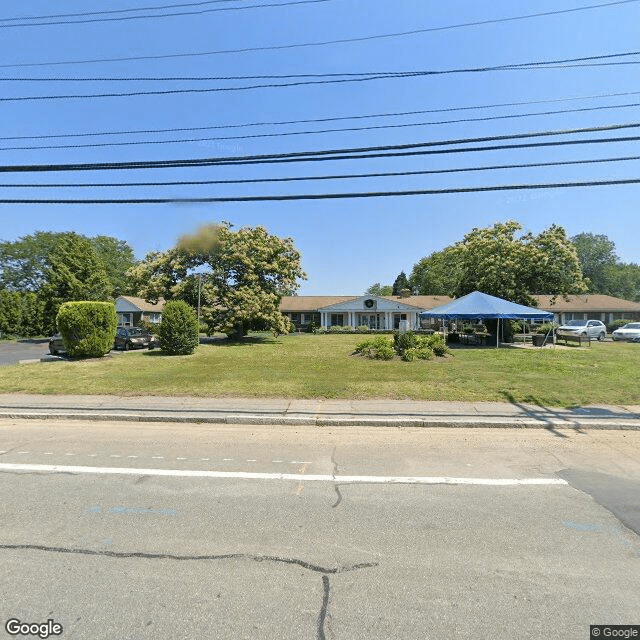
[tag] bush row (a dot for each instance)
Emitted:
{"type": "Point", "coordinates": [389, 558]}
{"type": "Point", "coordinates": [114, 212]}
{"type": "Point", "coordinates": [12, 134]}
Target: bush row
{"type": "Point", "coordinates": [409, 346]}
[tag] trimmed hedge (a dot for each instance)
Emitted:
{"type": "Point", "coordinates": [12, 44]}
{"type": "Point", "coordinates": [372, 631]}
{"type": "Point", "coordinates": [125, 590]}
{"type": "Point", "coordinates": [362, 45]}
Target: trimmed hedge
{"type": "Point", "coordinates": [178, 330]}
{"type": "Point", "coordinates": [88, 329]}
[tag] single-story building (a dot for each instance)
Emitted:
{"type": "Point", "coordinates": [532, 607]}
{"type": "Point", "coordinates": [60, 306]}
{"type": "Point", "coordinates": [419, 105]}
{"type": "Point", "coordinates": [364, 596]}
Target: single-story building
{"type": "Point", "coordinates": [387, 312]}
{"type": "Point", "coordinates": [375, 312]}
{"type": "Point", "coordinates": [132, 310]}
{"type": "Point", "coordinates": [589, 306]}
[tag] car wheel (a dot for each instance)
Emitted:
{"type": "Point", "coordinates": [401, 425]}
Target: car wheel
{"type": "Point", "coordinates": [127, 346]}
{"type": "Point", "coordinates": [601, 336]}
{"type": "Point", "coordinates": [53, 352]}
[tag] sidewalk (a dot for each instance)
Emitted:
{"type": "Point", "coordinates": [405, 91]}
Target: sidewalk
{"type": "Point", "coordinates": [321, 412]}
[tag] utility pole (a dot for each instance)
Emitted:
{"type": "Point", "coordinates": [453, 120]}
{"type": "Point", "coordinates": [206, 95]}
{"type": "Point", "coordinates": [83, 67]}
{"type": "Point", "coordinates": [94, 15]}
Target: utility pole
{"type": "Point", "coordinates": [199, 287]}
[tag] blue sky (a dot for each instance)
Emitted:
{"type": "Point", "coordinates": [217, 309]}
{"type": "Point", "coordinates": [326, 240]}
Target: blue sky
{"type": "Point", "coordinates": [346, 244]}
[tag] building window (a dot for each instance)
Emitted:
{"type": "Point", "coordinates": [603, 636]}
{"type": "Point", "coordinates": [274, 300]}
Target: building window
{"type": "Point", "coordinates": [154, 317]}
{"type": "Point", "coordinates": [125, 319]}
{"type": "Point", "coordinates": [336, 319]}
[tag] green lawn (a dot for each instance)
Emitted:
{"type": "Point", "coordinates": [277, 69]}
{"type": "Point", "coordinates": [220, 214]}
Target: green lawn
{"type": "Point", "coordinates": [321, 366]}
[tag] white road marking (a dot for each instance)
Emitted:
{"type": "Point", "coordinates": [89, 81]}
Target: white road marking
{"type": "Point", "coordinates": [180, 458]}
{"type": "Point", "coordinates": [252, 461]}
{"type": "Point", "coordinates": [23, 452]}
{"type": "Point", "coordinates": [245, 475]}
{"type": "Point", "coordinates": [299, 462]}
{"type": "Point", "coordinates": [115, 455]}
{"type": "Point", "coordinates": [276, 461]}
{"type": "Point", "coordinates": [157, 457]}
{"type": "Point", "coordinates": [227, 459]}
{"type": "Point", "coordinates": [69, 454]}
{"type": "Point", "coordinates": [132, 456]}
{"type": "Point", "coordinates": [204, 458]}
{"type": "Point", "coordinates": [48, 453]}
{"type": "Point", "coordinates": [92, 455]}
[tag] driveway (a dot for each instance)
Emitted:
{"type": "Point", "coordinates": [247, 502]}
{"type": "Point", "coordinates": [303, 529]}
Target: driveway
{"type": "Point", "coordinates": [28, 349]}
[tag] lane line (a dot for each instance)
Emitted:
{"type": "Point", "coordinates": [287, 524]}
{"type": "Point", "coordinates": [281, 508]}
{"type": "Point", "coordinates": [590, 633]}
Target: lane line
{"type": "Point", "coordinates": [245, 475]}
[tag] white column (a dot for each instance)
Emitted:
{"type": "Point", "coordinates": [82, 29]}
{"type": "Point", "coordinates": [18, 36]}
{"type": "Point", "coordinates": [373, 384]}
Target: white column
{"type": "Point", "coordinates": [323, 319]}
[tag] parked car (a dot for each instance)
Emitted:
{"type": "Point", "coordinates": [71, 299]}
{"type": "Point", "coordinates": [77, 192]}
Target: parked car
{"type": "Point", "coordinates": [56, 345]}
{"type": "Point", "coordinates": [135, 338]}
{"type": "Point", "coordinates": [591, 328]}
{"type": "Point", "coordinates": [630, 331]}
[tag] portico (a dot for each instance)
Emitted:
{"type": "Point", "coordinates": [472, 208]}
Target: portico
{"type": "Point", "coordinates": [375, 312]}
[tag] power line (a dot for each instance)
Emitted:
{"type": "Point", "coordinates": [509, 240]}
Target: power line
{"type": "Point", "coordinates": [528, 66]}
{"type": "Point", "coordinates": [112, 11]}
{"type": "Point", "coordinates": [328, 119]}
{"type": "Point", "coordinates": [324, 196]}
{"type": "Point", "coordinates": [343, 154]}
{"type": "Point", "coordinates": [358, 74]}
{"type": "Point", "coordinates": [310, 132]}
{"type": "Point", "coordinates": [317, 43]}
{"type": "Point", "coordinates": [385, 174]}
{"type": "Point", "coordinates": [162, 15]}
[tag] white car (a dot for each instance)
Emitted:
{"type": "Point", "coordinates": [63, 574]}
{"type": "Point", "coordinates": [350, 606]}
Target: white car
{"type": "Point", "coordinates": [591, 328]}
{"type": "Point", "coordinates": [630, 332]}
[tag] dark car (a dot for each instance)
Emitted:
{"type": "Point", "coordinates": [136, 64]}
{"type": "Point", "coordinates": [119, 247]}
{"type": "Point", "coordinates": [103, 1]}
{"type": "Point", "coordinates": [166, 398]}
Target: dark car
{"type": "Point", "coordinates": [56, 345]}
{"type": "Point", "coordinates": [134, 338]}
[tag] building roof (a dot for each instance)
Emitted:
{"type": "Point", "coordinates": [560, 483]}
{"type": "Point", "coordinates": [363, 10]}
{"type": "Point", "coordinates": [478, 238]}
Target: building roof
{"type": "Point", "coordinates": [586, 302]}
{"type": "Point", "coordinates": [142, 304]}
{"type": "Point", "coordinates": [296, 304]}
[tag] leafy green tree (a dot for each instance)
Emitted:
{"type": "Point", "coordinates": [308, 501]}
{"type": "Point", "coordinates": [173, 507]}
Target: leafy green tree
{"type": "Point", "coordinates": [24, 263]}
{"type": "Point", "coordinates": [88, 329]}
{"type": "Point", "coordinates": [437, 274]}
{"type": "Point", "coordinates": [400, 283]}
{"type": "Point", "coordinates": [243, 273]}
{"type": "Point", "coordinates": [377, 289]}
{"type": "Point", "coordinates": [117, 257]}
{"type": "Point", "coordinates": [494, 260]}
{"type": "Point", "coordinates": [74, 273]}
{"type": "Point", "coordinates": [597, 254]}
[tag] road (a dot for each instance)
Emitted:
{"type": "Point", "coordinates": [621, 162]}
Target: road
{"type": "Point", "coordinates": [134, 531]}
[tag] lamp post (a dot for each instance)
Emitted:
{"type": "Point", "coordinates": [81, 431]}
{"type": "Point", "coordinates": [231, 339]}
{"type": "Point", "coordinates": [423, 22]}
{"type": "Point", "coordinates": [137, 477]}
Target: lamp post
{"type": "Point", "coordinates": [199, 287]}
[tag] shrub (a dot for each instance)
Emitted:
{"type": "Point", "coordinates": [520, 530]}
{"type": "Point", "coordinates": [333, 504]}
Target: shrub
{"type": "Point", "coordinates": [363, 328]}
{"type": "Point", "coordinates": [379, 348]}
{"type": "Point", "coordinates": [616, 324]}
{"type": "Point", "coordinates": [319, 330]}
{"type": "Point", "coordinates": [88, 329]}
{"type": "Point", "coordinates": [417, 353]}
{"type": "Point", "coordinates": [403, 341]}
{"type": "Point", "coordinates": [178, 331]}
{"type": "Point", "coordinates": [546, 327]}
{"type": "Point", "coordinates": [437, 344]}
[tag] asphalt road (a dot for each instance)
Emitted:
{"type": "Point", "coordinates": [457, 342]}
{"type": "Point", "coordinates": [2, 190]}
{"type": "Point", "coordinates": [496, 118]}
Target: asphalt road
{"type": "Point", "coordinates": [13, 352]}
{"type": "Point", "coordinates": [123, 531]}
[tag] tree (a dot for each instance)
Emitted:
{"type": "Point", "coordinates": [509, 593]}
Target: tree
{"type": "Point", "coordinates": [117, 257]}
{"type": "Point", "coordinates": [495, 261]}
{"type": "Point", "coordinates": [244, 275]}
{"type": "Point", "coordinates": [75, 273]}
{"type": "Point", "coordinates": [438, 274]}
{"type": "Point", "coordinates": [376, 289]}
{"type": "Point", "coordinates": [597, 255]}
{"type": "Point", "coordinates": [24, 263]}
{"type": "Point", "coordinates": [400, 283]}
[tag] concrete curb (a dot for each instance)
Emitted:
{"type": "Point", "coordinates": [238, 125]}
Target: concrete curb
{"type": "Point", "coordinates": [343, 421]}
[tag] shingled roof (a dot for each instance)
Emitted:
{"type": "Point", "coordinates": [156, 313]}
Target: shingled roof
{"type": "Point", "coordinates": [586, 302]}
{"type": "Point", "coordinates": [312, 303]}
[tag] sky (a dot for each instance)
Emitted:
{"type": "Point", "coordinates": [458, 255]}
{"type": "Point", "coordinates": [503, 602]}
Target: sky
{"type": "Point", "coordinates": [347, 244]}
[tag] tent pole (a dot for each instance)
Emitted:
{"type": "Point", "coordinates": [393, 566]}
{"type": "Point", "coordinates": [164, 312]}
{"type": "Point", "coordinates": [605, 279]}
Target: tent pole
{"type": "Point", "coordinates": [498, 335]}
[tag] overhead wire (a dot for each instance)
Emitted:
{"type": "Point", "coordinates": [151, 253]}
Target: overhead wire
{"type": "Point", "coordinates": [160, 15]}
{"type": "Point", "coordinates": [311, 132]}
{"type": "Point", "coordinates": [384, 174]}
{"type": "Point", "coordinates": [321, 196]}
{"type": "Point", "coordinates": [356, 74]}
{"type": "Point", "coordinates": [365, 77]}
{"type": "Point", "coordinates": [112, 11]}
{"type": "Point", "coordinates": [425, 148]}
{"type": "Point", "coordinates": [319, 43]}
{"type": "Point", "coordinates": [326, 119]}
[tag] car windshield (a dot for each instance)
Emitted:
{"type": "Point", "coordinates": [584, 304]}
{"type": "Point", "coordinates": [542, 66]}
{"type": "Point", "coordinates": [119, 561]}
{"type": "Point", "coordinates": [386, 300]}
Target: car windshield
{"type": "Point", "coordinates": [135, 332]}
{"type": "Point", "coordinates": [576, 323]}
{"type": "Point", "coordinates": [632, 325]}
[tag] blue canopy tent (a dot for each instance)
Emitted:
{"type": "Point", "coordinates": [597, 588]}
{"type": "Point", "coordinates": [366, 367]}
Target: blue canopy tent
{"type": "Point", "coordinates": [482, 306]}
